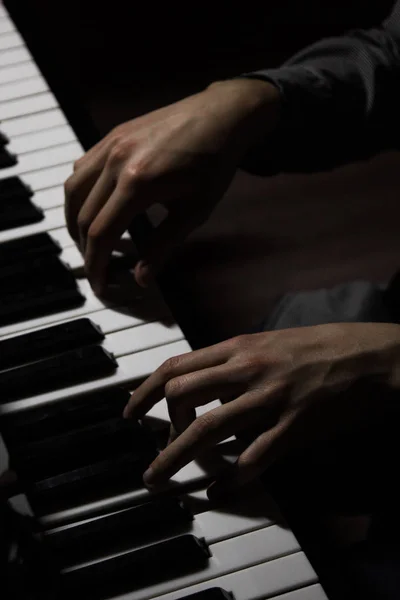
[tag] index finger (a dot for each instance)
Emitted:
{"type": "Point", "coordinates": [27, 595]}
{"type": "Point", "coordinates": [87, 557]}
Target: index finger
{"type": "Point", "coordinates": [152, 389]}
{"type": "Point", "coordinates": [107, 228]}
{"type": "Point", "coordinates": [207, 430]}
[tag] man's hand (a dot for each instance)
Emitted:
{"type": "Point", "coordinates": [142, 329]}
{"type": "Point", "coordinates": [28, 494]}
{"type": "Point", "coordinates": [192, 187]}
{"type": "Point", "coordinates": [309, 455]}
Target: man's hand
{"type": "Point", "coordinates": [291, 386]}
{"type": "Point", "coordinates": [182, 156]}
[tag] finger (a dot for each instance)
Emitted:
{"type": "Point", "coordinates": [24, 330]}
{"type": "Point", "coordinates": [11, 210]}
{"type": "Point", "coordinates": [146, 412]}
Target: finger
{"type": "Point", "coordinates": [207, 430]}
{"type": "Point", "coordinates": [152, 389]}
{"type": "Point", "coordinates": [185, 393]}
{"type": "Point", "coordinates": [170, 234]}
{"type": "Point", "coordinates": [108, 227]}
{"type": "Point", "coordinates": [257, 457]}
{"type": "Point", "coordinates": [98, 196]}
{"type": "Point", "coordinates": [77, 188]}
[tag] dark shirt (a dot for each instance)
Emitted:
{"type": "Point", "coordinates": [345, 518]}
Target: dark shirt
{"type": "Point", "coordinates": [341, 101]}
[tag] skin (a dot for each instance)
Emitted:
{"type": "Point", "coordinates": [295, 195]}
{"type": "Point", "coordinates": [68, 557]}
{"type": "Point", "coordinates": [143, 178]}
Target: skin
{"type": "Point", "coordinates": [290, 387]}
{"type": "Point", "coordinates": [183, 156]}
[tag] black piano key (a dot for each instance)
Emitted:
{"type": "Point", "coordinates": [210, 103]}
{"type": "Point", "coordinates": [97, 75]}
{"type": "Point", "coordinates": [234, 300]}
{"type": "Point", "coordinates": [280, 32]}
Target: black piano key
{"type": "Point", "coordinates": [44, 298]}
{"type": "Point", "coordinates": [60, 371]}
{"type": "Point", "coordinates": [23, 212]}
{"type": "Point", "coordinates": [27, 248]}
{"type": "Point", "coordinates": [84, 446]}
{"type": "Point", "coordinates": [119, 531]}
{"type": "Point", "coordinates": [213, 593]}
{"type": "Point", "coordinates": [13, 188]}
{"type": "Point", "coordinates": [6, 158]}
{"type": "Point", "coordinates": [33, 346]}
{"type": "Point", "coordinates": [59, 417]}
{"type": "Point", "coordinates": [139, 568]}
{"type": "Point", "coordinates": [3, 139]}
{"type": "Point", "coordinates": [109, 477]}
{"type": "Point", "coordinates": [31, 271]}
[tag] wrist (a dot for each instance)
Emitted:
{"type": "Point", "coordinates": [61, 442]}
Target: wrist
{"type": "Point", "coordinates": [253, 104]}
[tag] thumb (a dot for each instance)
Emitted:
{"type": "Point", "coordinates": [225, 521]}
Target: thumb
{"type": "Point", "coordinates": [172, 232]}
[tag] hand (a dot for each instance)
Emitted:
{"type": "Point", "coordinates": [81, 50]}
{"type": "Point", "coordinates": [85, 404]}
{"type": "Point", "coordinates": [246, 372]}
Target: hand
{"type": "Point", "coordinates": [182, 156]}
{"type": "Point", "coordinates": [292, 386]}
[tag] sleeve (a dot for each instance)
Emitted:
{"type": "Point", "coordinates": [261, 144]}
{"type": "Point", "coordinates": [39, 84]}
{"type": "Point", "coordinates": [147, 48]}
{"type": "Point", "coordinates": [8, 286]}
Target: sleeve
{"type": "Point", "coordinates": [340, 101]}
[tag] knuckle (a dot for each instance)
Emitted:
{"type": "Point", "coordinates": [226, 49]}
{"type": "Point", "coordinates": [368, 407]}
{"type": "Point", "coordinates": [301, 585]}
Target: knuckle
{"type": "Point", "coordinates": [237, 343]}
{"type": "Point", "coordinates": [170, 366]}
{"type": "Point", "coordinates": [119, 152]}
{"type": "Point", "coordinates": [204, 424]}
{"type": "Point", "coordinates": [132, 173]}
{"type": "Point", "coordinates": [174, 388]}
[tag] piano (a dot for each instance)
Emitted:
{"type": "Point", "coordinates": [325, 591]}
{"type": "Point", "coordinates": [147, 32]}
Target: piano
{"type": "Point", "coordinates": [67, 363]}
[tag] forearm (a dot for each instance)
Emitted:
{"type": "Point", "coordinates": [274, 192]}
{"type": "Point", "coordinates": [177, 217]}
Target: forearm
{"type": "Point", "coordinates": [339, 102]}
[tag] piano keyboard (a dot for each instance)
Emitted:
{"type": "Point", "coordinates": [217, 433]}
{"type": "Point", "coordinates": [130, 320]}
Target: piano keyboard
{"type": "Point", "coordinates": [80, 464]}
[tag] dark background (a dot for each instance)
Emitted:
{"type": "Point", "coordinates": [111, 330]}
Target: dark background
{"type": "Point", "coordinates": [268, 236]}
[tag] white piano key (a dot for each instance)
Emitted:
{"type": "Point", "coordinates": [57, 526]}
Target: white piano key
{"type": "Point", "coordinates": [21, 89]}
{"type": "Point", "coordinates": [33, 123]}
{"type": "Point", "coordinates": [10, 40]}
{"type": "Point", "coordinates": [50, 177]}
{"type": "Point", "coordinates": [42, 159]}
{"type": "Point", "coordinates": [42, 139]}
{"type": "Point", "coordinates": [17, 72]}
{"type": "Point", "coordinates": [91, 305]}
{"type": "Point", "coordinates": [6, 26]}
{"type": "Point", "coordinates": [141, 338]}
{"type": "Point", "coordinates": [229, 556]}
{"type": "Point", "coordinates": [62, 237]}
{"type": "Point", "coordinates": [14, 56]}
{"type": "Point", "coordinates": [53, 219]}
{"type": "Point", "coordinates": [49, 198]}
{"type": "Point", "coordinates": [72, 257]}
{"type": "Point", "coordinates": [3, 12]}
{"type": "Point", "coordinates": [27, 106]}
{"type": "Point", "coordinates": [265, 580]}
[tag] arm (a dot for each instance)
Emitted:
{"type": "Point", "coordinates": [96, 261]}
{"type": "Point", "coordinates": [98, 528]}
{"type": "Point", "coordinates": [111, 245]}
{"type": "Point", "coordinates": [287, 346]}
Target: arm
{"type": "Point", "coordinates": [340, 101]}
